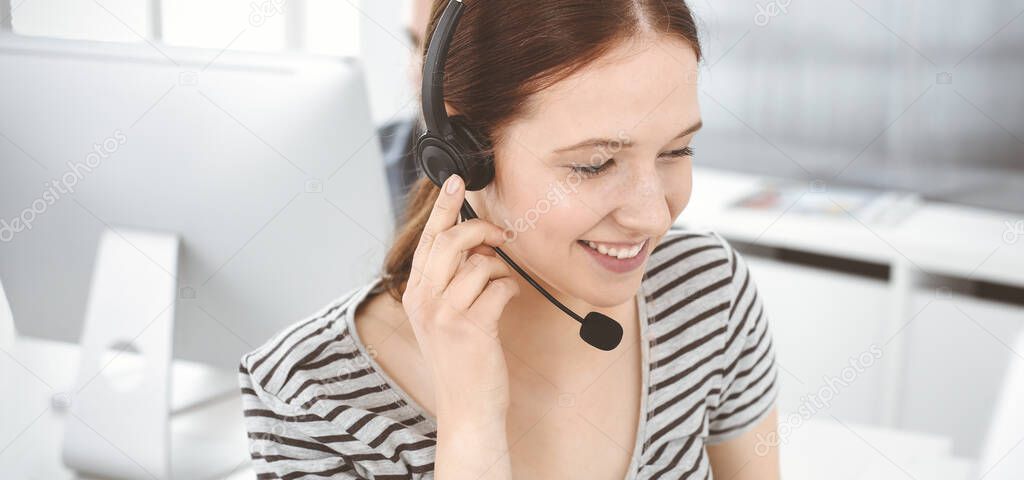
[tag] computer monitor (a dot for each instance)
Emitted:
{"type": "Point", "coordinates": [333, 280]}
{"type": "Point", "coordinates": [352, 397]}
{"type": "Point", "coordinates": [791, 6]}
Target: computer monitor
{"type": "Point", "coordinates": [266, 166]}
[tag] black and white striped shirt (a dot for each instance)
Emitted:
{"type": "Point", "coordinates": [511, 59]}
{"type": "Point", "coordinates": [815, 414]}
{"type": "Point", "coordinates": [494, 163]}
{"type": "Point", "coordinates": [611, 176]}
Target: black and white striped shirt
{"type": "Point", "coordinates": [318, 405]}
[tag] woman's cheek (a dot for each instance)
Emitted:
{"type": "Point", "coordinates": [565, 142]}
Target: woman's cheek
{"type": "Point", "coordinates": [519, 218]}
{"type": "Point", "coordinates": [682, 197]}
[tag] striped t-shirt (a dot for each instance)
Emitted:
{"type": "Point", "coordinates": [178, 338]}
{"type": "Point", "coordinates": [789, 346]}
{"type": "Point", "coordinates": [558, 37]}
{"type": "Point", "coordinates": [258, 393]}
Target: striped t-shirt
{"type": "Point", "coordinates": [317, 404]}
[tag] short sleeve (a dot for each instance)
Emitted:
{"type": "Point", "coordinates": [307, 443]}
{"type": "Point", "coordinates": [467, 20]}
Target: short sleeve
{"type": "Point", "coordinates": [749, 387]}
{"type": "Point", "coordinates": [288, 442]}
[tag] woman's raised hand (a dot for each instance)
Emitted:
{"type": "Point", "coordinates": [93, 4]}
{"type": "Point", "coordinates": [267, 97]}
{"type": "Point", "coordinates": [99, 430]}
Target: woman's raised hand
{"type": "Point", "coordinates": [456, 293]}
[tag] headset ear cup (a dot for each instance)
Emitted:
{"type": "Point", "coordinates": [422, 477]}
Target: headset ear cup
{"type": "Point", "coordinates": [437, 158]}
{"type": "Point", "coordinates": [476, 155]}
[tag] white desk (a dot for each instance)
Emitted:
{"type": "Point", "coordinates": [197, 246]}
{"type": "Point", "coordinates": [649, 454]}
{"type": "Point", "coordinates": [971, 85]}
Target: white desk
{"type": "Point", "coordinates": [32, 422]}
{"type": "Point", "coordinates": [938, 237]}
{"type": "Point", "coordinates": [824, 448]}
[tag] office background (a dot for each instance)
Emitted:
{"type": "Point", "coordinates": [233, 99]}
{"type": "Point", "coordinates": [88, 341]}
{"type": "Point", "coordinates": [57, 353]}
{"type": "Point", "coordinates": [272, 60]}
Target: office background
{"type": "Point", "coordinates": [908, 95]}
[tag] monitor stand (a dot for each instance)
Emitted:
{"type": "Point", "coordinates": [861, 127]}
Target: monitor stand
{"type": "Point", "coordinates": [7, 330]}
{"type": "Point", "coordinates": [133, 408]}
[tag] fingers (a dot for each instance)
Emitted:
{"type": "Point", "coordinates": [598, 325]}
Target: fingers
{"type": "Point", "coordinates": [482, 250]}
{"type": "Point", "coordinates": [449, 249]}
{"type": "Point", "coordinates": [493, 299]}
{"type": "Point", "coordinates": [471, 279]}
{"type": "Point", "coordinates": [444, 214]}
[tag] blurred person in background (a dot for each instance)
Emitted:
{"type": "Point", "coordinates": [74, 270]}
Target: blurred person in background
{"type": "Point", "coordinates": [398, 137]}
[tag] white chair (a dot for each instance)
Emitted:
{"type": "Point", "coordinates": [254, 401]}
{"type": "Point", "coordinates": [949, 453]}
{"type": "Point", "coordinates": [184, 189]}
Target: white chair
{"type": "Point", "coordinates": [1002, 456]}
{"type": "Point", "coordinates": [7, 331]}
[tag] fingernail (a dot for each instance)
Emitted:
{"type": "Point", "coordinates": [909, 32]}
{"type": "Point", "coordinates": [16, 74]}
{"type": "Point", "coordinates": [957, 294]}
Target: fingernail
{"type": "Point", "coordinates": [452, 184]}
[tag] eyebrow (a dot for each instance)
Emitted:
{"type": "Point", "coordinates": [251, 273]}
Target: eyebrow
{"type": "Point", "coordinates": [603, 142]}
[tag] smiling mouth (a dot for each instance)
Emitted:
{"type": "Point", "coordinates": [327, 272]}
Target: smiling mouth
{"type": "Point", "coordinates": [619, 251]}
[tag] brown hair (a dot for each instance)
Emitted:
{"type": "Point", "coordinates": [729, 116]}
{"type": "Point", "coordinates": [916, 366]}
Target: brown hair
{"type": "Point", "coordinates": [504, 51]}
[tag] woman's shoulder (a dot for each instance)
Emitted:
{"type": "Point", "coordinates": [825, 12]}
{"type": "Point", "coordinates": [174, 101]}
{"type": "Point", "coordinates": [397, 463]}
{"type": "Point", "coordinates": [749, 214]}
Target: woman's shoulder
{"type": "Point", "coordinates": [709, 332]}
{"type": "Point", "coordinates": [297, 362]}
{"type": "Point", "coordinates": [690, 258]}
{"type": "Point", "coordinates": [315, 404]}
{"type": "Point", "coordinates": [694, 282]}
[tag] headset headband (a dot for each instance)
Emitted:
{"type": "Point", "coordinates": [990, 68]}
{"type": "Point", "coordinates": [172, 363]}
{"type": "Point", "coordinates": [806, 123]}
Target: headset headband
{"type": "Point", "coordinates": [434, 113]}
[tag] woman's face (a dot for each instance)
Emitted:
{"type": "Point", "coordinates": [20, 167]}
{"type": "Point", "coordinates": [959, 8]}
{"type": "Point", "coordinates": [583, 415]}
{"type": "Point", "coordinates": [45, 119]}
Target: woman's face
{"type": "Point", "coordinates": [600, 157]}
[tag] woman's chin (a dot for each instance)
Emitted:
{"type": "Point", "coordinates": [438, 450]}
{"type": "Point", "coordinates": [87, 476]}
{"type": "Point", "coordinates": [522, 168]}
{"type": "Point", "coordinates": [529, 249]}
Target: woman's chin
{"type": "Point", "coordinates": [608, 296]}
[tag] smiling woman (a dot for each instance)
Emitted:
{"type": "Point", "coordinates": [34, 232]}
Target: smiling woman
{"type": "Point", "coordinates": [449, 366]}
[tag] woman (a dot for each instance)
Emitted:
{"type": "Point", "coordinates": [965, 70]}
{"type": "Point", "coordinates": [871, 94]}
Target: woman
{"type": "Point", "coordinates": [450, 366]}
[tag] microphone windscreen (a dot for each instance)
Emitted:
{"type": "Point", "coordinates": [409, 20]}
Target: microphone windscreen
{"type": "Point", "coordinates": [601, 331]}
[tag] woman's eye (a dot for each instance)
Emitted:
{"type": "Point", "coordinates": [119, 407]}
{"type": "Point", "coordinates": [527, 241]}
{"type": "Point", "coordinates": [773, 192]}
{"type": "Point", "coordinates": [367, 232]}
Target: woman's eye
{"type": "Point", "coordinates": [682, 152]}
{"type": "Point", "coordinates": [595, 170]}
{"type": "Point", "coordinates": [592, 170]}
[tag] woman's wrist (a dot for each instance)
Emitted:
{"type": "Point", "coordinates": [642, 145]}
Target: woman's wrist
{"type": "Point", "coordinates": [472, 448]}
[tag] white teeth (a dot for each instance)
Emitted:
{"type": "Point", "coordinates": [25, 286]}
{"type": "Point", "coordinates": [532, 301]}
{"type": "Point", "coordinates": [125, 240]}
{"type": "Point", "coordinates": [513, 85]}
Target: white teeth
{"type": "Point", "coordinates": [620, 253]}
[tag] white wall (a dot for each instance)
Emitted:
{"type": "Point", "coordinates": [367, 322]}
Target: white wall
{"type": "Point", "coordinates": [385, 54]}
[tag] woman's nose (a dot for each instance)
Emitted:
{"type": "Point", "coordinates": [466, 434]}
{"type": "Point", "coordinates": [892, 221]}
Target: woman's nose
{"type": "Point", "coordinates": [643, 203]}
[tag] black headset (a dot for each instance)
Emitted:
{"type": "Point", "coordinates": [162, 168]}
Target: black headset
{"type": "Point", "coordinates": [450, 146]}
